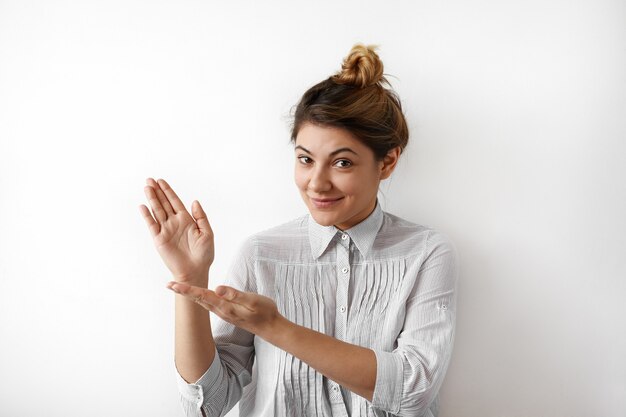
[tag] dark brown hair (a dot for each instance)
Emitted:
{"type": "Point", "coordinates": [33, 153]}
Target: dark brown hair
{"type": "Point", "coordinates": [355, 99]}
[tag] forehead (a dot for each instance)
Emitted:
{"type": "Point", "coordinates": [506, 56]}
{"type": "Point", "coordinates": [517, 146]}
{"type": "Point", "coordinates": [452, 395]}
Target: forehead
{"type": "Point", "coordinates": [324, 138]}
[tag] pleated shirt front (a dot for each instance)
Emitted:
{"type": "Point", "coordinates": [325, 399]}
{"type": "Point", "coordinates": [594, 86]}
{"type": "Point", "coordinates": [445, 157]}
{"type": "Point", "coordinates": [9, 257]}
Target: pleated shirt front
{"type": "Point", "coordinates": [386, 284]}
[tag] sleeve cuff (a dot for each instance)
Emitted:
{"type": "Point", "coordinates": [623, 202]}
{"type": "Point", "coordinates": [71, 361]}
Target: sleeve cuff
{"type": "Point", "coordinates": [389, 378]}
{"type": "Point", "coordinates": [205, 386]}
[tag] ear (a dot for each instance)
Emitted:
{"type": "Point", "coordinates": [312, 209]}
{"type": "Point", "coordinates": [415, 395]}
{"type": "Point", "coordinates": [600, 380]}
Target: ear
{"type": "Point", "coordinates": [389, 162]}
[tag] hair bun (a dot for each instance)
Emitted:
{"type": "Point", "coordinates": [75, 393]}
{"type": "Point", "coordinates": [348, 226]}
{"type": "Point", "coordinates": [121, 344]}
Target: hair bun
{"type": "Point", "coordinates": [361, 68]}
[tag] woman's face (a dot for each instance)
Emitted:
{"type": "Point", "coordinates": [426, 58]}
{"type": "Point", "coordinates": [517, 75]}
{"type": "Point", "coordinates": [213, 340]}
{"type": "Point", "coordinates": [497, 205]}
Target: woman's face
{"type": "Point", "coordinates": [331, 164]}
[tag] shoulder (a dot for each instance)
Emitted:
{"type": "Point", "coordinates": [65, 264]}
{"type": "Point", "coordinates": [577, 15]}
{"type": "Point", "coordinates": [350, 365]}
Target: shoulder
{"type": "Point", "coordinates": [294, 227]}
{"type": "Point", "coordinates": [276, 241]}
{"type": "Point", "coordinates": [410, 238]}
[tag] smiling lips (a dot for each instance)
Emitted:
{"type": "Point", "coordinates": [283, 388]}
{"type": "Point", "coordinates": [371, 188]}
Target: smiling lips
{"type": "Point", "coordinates": [325, 202]}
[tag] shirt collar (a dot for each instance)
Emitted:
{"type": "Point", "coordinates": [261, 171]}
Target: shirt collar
{"type": "Point", "coordinates": [362, 234]}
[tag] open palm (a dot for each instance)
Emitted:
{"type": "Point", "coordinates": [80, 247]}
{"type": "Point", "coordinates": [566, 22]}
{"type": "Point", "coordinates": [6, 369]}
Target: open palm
{"type": "Point", "coordinates": [184, 242]}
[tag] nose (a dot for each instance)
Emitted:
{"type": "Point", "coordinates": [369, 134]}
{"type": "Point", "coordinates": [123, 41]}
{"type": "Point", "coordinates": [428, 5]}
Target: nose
{"type": "Point", "coordinates": [319, 181]}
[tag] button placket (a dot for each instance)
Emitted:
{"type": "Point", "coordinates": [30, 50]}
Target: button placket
{"type": "Point", "coordinates": [343, 278]}
{"type": "Point", "coordinates": [334, 394]}
{"type": "Point", "coordinates": [343, 281]}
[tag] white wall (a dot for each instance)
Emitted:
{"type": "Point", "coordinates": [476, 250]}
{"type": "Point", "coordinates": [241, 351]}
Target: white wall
{"type": "Point", "coordinates": [517, 114]}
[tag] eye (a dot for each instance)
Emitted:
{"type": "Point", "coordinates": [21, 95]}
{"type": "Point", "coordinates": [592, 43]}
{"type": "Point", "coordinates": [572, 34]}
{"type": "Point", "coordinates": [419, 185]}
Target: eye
{"type": "Point", "coordinates": [303, 159]}
{"type": "Point", "coordinates": [347, 163]}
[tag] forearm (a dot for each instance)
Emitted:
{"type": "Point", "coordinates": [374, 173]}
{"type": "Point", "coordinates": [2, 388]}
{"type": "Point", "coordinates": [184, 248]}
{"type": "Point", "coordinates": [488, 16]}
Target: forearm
{"type": "Point", "coordinates": [351, 366]}
{"type": "Point", "coordinates": [194, 347]}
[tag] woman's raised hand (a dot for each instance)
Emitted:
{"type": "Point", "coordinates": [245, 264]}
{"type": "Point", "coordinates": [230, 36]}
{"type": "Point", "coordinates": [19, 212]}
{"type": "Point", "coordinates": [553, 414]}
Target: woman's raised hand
{"type": "Point", "coordinates": [184, 242]}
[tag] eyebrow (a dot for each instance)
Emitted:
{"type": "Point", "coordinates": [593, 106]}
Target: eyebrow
{"type": "Point", "coordinates": [335, 152]}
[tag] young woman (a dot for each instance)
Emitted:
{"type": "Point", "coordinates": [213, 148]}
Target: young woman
{"type": "Point", "coordinates": [345, 311]}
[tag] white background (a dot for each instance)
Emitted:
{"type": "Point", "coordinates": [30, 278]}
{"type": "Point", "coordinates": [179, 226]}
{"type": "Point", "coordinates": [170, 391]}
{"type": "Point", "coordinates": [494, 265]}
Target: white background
{"type": "Point", "coordinates": [517, 115]}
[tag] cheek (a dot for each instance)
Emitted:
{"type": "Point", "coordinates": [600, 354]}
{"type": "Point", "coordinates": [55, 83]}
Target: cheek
{"type": "Point", "coordinates": [360, 183]}
{"type": "Point", "coordinates": [354, 183]}
{"type": "Point", "coordinates": [299, 178]}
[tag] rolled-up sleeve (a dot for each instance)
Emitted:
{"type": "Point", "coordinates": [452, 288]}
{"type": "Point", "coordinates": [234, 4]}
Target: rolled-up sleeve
{"type": "Point", "coordinates": [217, 391]}
{"type": "Point", "coordinates": [409, 377]}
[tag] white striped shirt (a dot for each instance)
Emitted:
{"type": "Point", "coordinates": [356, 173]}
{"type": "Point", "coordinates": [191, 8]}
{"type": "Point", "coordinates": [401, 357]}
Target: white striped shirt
{"type": "Point", "coordinates": [386, 284]}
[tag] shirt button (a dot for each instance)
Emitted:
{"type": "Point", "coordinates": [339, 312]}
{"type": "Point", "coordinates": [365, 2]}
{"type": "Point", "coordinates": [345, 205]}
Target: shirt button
{"type": "Point", "coordinates": [343, 309]}
{"type": "Point", "coordinates": [444, 306]}
{"type": "Point", "coordinates": [335, 388]}
{"type": "Point", "coordinates": [344, 236]}
{"type": "Point", "coordinates": [345, 270]}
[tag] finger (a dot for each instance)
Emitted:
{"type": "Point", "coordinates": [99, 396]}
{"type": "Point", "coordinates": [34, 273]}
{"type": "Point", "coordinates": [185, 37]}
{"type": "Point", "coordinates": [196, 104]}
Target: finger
{"type": "Point", "coordinates": [227, 310]}
{"type": "Point", "coordinates": [201, 219]}
{"type": "Point", "coordinates": [162, 198]}
{"type": "Point", "coordinates": [173, 199]}
{"type": "Point", "coordinates": [157, 210]}
{"type": "Point", "coordinates": [215, 310]}
{"type": "Point", "coordinates": [233, 295]}
{"type": "Point", "coordinates": [197, 294]}
{"type": "Point", "coordinates": [153, 226]}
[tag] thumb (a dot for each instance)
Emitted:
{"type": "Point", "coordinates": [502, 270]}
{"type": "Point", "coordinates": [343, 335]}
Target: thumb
{"type": "Point", "coordinates": [200, 216]}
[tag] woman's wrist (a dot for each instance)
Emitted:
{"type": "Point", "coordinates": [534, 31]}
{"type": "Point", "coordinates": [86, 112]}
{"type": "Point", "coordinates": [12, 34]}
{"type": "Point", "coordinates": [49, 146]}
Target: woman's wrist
{"type": "Point", "coordinates": [198, 279]}
{"type": "Point", "coordinates": [277, 332]}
